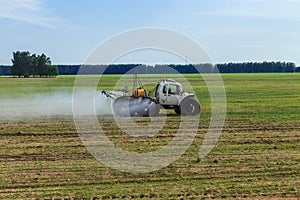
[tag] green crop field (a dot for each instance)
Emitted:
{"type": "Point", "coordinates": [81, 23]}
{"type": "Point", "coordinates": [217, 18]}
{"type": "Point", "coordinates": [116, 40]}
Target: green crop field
{"type": "Point", "coordinates": [257, 155]}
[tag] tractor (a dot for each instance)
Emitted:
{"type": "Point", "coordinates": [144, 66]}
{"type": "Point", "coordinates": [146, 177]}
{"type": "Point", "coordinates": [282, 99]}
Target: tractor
{"type": "Point", "coordinates": [168, 95]}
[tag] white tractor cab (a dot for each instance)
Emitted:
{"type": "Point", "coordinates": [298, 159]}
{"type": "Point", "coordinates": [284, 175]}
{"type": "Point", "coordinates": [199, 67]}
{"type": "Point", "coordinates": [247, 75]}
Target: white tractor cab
{"type": "Point", "coordinates": [170, 95]}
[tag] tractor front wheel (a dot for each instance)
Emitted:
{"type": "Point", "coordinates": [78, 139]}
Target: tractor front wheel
{"type": "Point", "coordinates": [189, 107]}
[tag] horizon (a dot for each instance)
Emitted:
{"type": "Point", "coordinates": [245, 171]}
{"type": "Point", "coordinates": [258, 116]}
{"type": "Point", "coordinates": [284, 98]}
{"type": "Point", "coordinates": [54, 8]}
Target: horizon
{"type": "Point", "coordinates": [153, 64]}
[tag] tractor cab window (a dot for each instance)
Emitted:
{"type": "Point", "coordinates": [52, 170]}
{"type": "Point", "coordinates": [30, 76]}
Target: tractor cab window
{"type": "Point", "coordinates": [174, 89]}
{"type": "Point", "coordinates": [171, 89]}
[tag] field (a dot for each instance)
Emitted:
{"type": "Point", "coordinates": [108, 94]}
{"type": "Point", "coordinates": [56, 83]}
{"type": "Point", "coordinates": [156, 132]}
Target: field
{"type": "Point", "coordinates": [256, 157]}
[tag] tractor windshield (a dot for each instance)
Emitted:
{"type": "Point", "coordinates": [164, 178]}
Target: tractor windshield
{"type": "Point", "coordinates": [174, 89]}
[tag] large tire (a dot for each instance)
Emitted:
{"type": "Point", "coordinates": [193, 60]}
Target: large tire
{"type": "Point", "coordinates": [189, 107]}
{"type": "Point", "coordinates": [154, 110]}
{"type": "Point", "coordinates": [121, 106]}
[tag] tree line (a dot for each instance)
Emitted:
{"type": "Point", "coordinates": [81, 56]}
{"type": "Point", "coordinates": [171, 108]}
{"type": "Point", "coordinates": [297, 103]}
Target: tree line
{"type": "Point", "coordinates": [25, 64]}
{"type": "Point", "coordinates": [247, 67]}
{"type": "Point", "coordinates": [258, 67]}
{"type": "Point", "coordinates": [44, 68]}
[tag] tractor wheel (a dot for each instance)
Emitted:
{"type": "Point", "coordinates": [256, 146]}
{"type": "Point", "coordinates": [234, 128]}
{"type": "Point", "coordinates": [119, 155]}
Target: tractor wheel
{"type": "Point", "coordinates": [154, 110]}
{"type": "Point", "coordinates": [189, 107]}
{"type": "Point", "coordinates": [121, 106]}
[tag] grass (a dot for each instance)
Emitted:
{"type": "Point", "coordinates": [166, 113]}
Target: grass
{"type": "Point", "coordinates": [257, 155]}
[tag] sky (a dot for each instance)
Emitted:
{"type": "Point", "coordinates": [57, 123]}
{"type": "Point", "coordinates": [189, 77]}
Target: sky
{"type": "Point", "coordinates": [229, 30]}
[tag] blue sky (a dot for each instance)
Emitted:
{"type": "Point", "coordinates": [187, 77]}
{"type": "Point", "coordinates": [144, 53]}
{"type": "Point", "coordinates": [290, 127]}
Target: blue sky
{"type": "Point", "coordinates": [230, 30]}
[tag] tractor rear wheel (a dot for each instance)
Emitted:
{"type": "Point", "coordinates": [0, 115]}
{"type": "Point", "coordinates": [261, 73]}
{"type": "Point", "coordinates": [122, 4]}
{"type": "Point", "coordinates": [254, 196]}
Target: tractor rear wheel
{"type": "Point", "coordinates": [154, 110]}
{"type": "Point", "coordinates": [189, 107]}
